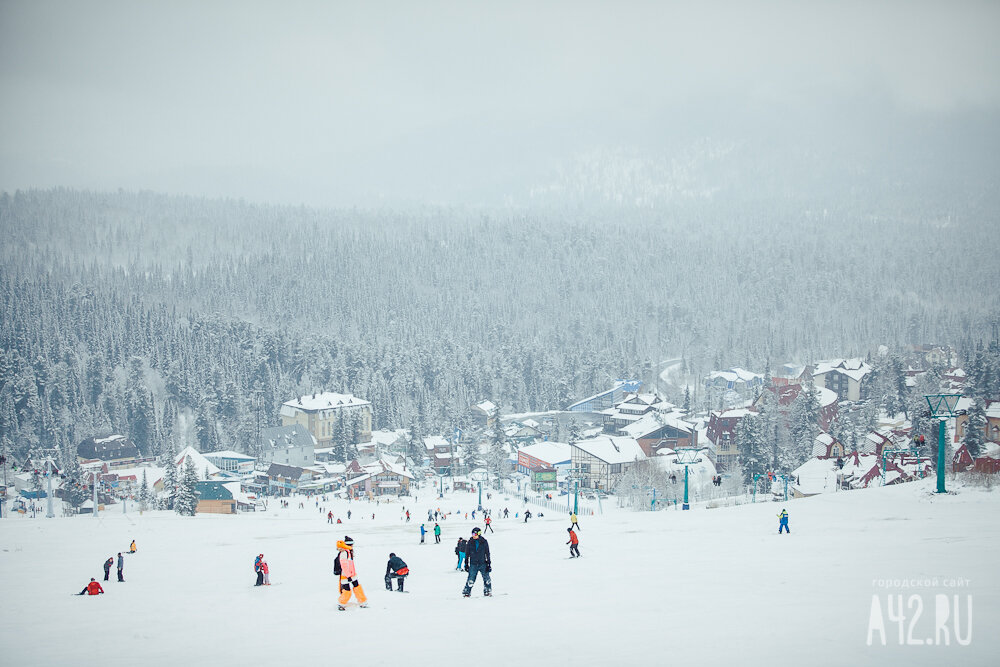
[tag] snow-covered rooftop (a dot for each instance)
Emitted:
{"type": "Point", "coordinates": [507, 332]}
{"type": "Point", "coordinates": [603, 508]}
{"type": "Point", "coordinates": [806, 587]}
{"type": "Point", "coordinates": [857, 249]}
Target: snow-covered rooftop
{"type": "Point", "coordinates": [852, 368]}
{"type": "Point", "coordinates": [201, 464]}
{"type": "Point", "coordinates": [612, 449]}
{"type": "Point", "coordinates": [550, 452]}
{"type": "Point", "coordinates": [324, 401]}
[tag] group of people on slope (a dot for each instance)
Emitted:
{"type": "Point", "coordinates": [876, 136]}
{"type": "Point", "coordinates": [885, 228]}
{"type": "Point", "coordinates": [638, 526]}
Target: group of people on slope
{"type": "Point", "coordinates": [262, 570]}
{"type": "Point", "coordinates": [94, 587]}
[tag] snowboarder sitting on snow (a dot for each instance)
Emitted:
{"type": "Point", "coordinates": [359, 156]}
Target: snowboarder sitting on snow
{"type": "Point", "coordinates": [395, 568]}
{"type": "Point", "coordinates": [344, 567]}
{"type": "Point", "coordinates": [783, 522]}
{"type": "Point", "coordinates": [131, 548]}
{"type": "Point", "coordinates": [574, 544]}
{"type": "Point", "coordinates": [477, 560]}
{"type": "Point", "coordinates": [460, 551]}
{"type": "Point", "coordinates": [93, 588]}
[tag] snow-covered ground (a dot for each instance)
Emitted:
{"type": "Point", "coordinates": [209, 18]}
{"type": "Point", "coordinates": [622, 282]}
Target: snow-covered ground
{"type": "Point", "coordinates": [709, 586]}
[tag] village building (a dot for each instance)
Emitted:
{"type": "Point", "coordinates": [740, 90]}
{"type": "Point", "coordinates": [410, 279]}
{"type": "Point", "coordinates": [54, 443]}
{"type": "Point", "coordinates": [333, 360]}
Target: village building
{"type": "Point", "coordinates": [484, 414]}
{"type": "Point", "coordinates": [114, 449]}
{"type": "Point", "coordinates": [991, 431]}
{"type": "Point", "coordinates": [721, 433]}
{"type": "Point", "coordinates": [842, 376]}
{"type": "Point", "coordinates": [321, 413]}
{"type": "Point", "coordinates": [607, 398]}
{"type": "Point", "coordinates": [542, 462]}
{"type": "Point", "coordinates": [438, 453]}
{"type": "Point", "coordinates": [599, 463]}
{"type": "Point", "coordinates": [291, 445]}
{"type": "Point", "coordinates": [214, 498]}
{"type": "Point", "coordinates": [787, 374]}
{"type": "Point", "coordinates": [785, 395]}
{"type": "Point", "coordinates": [661, 431]}
{"type": "Point", "coordinates": [283, 480]}
{"type": "Point", "coordinates": [523, 432]}
{"type": "Point", "coordinates": [231, 463]}
{"type": "Point", "coordinates": [386, 477]}
{"type": "Point", "coordinates": [204, 468]}
{"type": "Point", "coordinates": [743, 382]}
{"type": "Point", "coordinates": [631, 409]}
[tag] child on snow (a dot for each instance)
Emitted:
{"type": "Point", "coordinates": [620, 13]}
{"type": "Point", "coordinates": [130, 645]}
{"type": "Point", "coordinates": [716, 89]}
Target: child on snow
{"type": "Point", "coordinates": [344, 567]}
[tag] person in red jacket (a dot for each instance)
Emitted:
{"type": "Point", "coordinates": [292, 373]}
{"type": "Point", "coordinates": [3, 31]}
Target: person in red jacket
{"type": "Point", "coordinates": [93, 588]}
{"type": "Point", "coordinates": [574, 544]}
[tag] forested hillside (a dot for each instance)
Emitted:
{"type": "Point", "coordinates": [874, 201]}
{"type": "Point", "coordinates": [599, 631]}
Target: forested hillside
{"type": "Point", "coordinates": [162, 316]}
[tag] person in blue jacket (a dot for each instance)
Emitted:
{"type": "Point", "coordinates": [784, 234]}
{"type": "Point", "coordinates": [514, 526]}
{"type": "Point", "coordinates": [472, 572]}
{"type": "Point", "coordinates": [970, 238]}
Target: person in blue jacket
{"type": "Point", "coordinates": [783, 522]}
{"type": "Point", "coordinates": [423, 531]}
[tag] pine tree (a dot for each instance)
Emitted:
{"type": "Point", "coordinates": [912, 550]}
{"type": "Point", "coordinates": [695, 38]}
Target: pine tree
{"type": "Point", "coordinates": [802, 427]}
{"type": "Point", "coordinates": [187, 496]}
{"type": "Point", "coordinates": [144, 493]}
{"type": "Point", "coordinates": [74, 486]}
{"type": "Point", "coordinates": [415, 448]}
{"type": "Point", "coordinates": [496, 456]}
{"type": "Point", "coordinates": [975, 429]}
{"type": "Point", "coordinates": [753, 454]}
{"type": "Point", "coordinates": [169, 481]}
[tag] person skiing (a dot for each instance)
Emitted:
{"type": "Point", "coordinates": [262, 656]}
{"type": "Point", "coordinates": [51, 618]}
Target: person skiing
{"type": "Point", "coordinates": [348, 515]}
{"type": "Point", "coordinates": [329, 516]}
{"type": "Point", "coordinates": [107, 567]}
{"type": "Point", "coordinates": [257, 568]}
{"type": "Point", "coordinates": [477, 560]}
{"type": "Point", "coordinates": [488, 522]}
{"type": "Point", "coordinates": [407, 516]}
{"type": "Point", "coordinates": [574, 544]}
{"type": "Point", "coordinates": [395, 568]}
{"type": "Point", "coordinates": [93, 588]}
{"type": "Point", "coordinates": [121, 566]}
{"type": "Point", "coordinates": [131, 548]}
{"type": "Point", "coordinates": [572, 521]}
{"type": "Point", "coordinates": [344, 568]}
{"type": "Point", "coordinates": [527, 515]}
{"type": "Point", "coordinates": [783, 521]}
{"type": "Point", "coordinates": [267, 572]}
{"type": "Point", "coordinates": [505, 512]}
{"type": "Point", "coordinates": [423, 532]}
{"type": "Point", "coordinates": [437, 534]}
{"type": "Point", "coordinates": [460, 551]}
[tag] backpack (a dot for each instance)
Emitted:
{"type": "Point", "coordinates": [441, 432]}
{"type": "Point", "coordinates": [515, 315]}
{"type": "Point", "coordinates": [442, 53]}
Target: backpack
{"type": "Point", "coordinates": [336, 565]}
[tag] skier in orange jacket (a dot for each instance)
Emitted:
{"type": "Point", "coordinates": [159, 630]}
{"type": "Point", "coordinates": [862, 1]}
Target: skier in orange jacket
{"type": "Point", "coordinates": [344, 566]}
{"type": "Point", "coordinates": [574, 544]}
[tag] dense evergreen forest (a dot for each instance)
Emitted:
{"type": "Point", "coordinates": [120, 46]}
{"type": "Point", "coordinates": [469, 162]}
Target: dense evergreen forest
{"type": "Point", "coordinates": [172, 318]}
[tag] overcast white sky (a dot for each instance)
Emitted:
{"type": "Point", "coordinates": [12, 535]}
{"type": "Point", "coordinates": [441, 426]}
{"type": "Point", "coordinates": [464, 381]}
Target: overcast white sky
{"type": "Point", "coordinates": [466, 101]}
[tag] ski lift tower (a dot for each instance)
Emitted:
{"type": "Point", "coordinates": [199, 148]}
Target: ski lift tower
{"type": "Point", "coordinates": [687, 456]}
{"type": "Point", "coordinates": [943, 408]}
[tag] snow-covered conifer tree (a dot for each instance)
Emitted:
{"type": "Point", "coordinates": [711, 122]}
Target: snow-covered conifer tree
{"type": "Point", "coordinates": [187, 498]}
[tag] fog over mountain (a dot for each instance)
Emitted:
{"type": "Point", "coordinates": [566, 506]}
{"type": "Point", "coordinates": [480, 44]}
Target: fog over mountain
{"type": "Point", "coordinates": [336, 103]}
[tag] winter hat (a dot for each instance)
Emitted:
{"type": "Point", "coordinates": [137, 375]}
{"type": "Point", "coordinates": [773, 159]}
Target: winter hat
{"type": "Point", "coordinates": [570, 529]}
{"type": "Point", "coordinates": [476, 531]}
{"type": "Point", "coordinates": [348, 540]}
{"type": "Point", "coordinates": [392, 555]}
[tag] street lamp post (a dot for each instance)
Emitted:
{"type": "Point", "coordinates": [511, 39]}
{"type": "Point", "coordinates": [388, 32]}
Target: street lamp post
{"type": "Point", "coordinates": [942, 408]}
